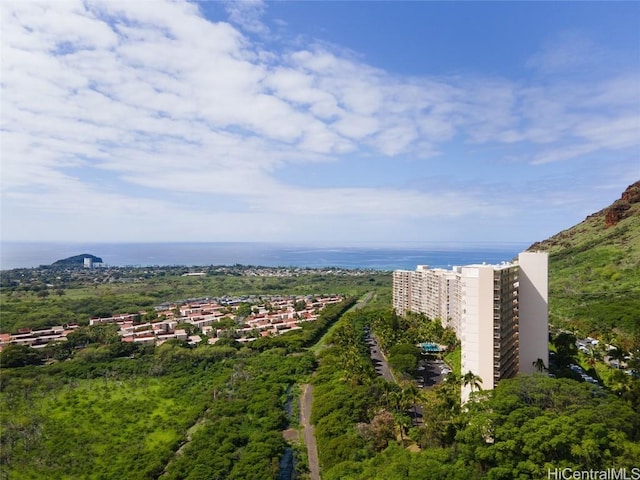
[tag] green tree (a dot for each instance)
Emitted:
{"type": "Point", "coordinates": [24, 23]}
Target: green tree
{"type": "Point", "coordinates": [566, 349]}
{"type": "Point", "coordinates": [531, 421]}
{"type": "Point", "coordinates": [404, 358]}
{"type": "Point", "coordinates": [243, 310]}
{"type": "Point", "coordinates": [618, 355]}
{"type": "Point", "coordinates": [15, 355]}
{"type": "Point", "coordinates": [412, 395]}
{"type": "Point", "coordinates": [448, 393]}
{"type": "Point", "coordinates": [539, 365]}
{"type": "Point", "coordinates": [472, 380]}
{"type": "Point", "coordinates": [43, 293]}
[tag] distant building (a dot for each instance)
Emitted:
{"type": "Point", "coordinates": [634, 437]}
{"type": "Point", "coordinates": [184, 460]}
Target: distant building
{"type": "Point", "coordinates": [434, 292]}
{"type": "Point", "coordinates": [402, 293]}
{"type": "Point", "coordinates": [499, 312]}
{"type": "Point", "coordinates": [92, 263]}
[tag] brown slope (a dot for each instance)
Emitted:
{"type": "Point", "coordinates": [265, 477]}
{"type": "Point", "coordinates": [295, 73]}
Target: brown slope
{"type": "Point", "coordinates": [594, 272]}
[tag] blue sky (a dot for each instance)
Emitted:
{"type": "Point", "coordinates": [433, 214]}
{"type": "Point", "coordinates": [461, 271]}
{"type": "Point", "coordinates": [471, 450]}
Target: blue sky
{"type": "Point", "coordinates": [315, 122]}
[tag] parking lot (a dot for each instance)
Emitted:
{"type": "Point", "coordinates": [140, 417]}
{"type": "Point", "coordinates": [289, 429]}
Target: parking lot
{"type": "Point", "coordinates": [431, 372]}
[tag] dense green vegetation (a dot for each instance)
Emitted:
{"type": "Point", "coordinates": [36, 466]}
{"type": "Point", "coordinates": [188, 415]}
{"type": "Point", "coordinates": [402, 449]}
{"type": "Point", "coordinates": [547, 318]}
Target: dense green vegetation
{"type": "Point", "coordinates": [594, 275]}
{"type": "Point", "coordinates": [241, 434]}
{"type": "Point", "coordinates": [169, 412]}
{"type": "Point", "coordinates": [404, 358]}
{"type": "Point", "coordinates": [68, 419]}
{"type": "Point", "coordinates": [223, 402]}
{"type": "Point", "coordinates": [412, 329]}
{"type": "Point", "coordinates": [519, 430]}
{"type": "Point", "coordinates": [344, 390]}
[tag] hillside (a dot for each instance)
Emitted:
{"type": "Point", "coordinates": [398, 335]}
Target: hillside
{"type": "Point", "coordinates": [594, 271]}
{"type": "Point", "coordinates": [76, 260]}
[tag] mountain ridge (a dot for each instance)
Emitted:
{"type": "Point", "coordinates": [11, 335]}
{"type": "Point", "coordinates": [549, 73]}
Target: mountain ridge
{"type": "Point", "coordinates": [594, 271]}
{"type": "Point", "coordinates": [627, 206]}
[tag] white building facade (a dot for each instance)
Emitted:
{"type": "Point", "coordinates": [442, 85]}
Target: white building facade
{"type": "Point", "coordinates": [434, 292]}
{"type": "Point", "coordinates": [499, 313]}
{"type": "Point", "coordinates": [533, 308]}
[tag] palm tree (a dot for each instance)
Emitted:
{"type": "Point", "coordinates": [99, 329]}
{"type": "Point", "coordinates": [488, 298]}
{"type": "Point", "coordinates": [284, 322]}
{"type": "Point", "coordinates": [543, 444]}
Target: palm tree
{"type": "Point", "coordinates": [620, 383]}
{"type": "Point", "coordinates": [617, 354]}
{"type": "Point", "coordinates": [593, 356]}
{"type": "Point", "coordinates": [473, 380]}
{"type": "Point", "coordinates": [340, 337]}
{"type": "Point", "coordinates": [354, 367]}
{"type": "Point", "coordinates": [452, 378]}
{"type": "Point", "coordinates": [411, 395]}
{"type": "Point", "coordinates": [539, 365]}
{"type": "Point", "coordinates": [403, 422]}
{"type": "Point", "coordinates": [448, 392]}
{"type": "Point", "coordinates": [395, 400]}
{"type": "Point", "coordinates": [566, 349]}
{"type": "Point", "coordinates": [388, 390]}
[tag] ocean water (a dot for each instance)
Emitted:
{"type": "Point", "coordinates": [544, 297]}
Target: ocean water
{"type": "Point", "coordinates": [366, 256]}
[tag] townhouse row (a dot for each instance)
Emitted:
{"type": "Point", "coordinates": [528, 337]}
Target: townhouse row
{"type": "Point", "coordinates": [275, 315]}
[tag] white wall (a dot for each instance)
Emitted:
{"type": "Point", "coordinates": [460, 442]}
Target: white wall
{"type": "Point", "coordinates": [534, 310]}
{"type": "Point", "coordinates": [476, 325]}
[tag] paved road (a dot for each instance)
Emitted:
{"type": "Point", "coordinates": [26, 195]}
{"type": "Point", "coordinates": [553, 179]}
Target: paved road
{"type": "Point", "coordinates": [379, 362]}
{"type": "Point", "coordinates": [364, 301]}
{"type": "Point", "coordinates": [308, 432]}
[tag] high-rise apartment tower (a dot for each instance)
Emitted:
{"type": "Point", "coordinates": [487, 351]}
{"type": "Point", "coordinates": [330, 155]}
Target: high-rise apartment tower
{"type": "Point", "coordinates": [499, 312]}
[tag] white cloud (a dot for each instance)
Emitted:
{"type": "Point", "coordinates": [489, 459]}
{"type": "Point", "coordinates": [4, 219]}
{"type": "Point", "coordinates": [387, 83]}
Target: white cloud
{"type": "Point", "coordinates": [169, 107]}
{"type": "Point", "coordinates": [247, 14]}
{"type": "Point", "coordinates": [564, 153]}
{"type": "Point", "coordinates": [597, 135]}
{"type": "Point", "coordinates": [374, 203]}
{"type": "Point", "coordinates": [567, 51]}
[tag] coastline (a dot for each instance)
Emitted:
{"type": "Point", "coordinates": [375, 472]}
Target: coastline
{"type": "Point", "coordinates": [366, 256]}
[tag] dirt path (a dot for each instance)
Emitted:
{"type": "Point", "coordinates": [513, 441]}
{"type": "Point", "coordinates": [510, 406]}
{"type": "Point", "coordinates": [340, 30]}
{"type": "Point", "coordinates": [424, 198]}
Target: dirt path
{"type": "Point", "coordinates": [364, 301]}
{"type": "Point", "coordinates": [199, 422]}
{"type": "Point", "coordinates": [306, 400]}
{"type": "Point", "coordinates": [308, 431]}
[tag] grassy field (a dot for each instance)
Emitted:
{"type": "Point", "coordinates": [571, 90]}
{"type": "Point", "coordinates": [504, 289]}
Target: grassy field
{"type": "Point", "coordinates": [57, 423]}
{"type": "Point", "coordinates": [454, 360]}
{"type": "Point", "coordinates": [594, 277]}
{"type": "Point", "coordinates": [127, 418]}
